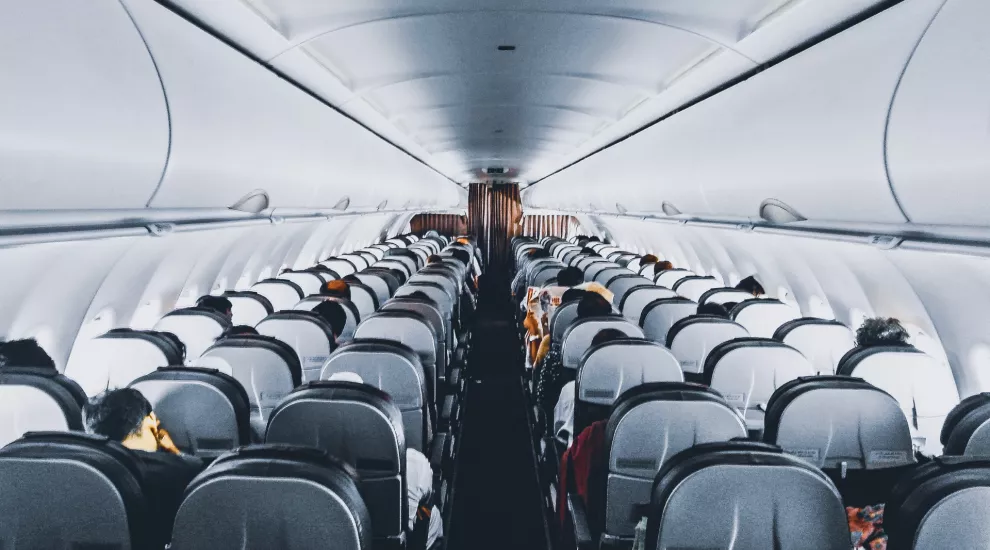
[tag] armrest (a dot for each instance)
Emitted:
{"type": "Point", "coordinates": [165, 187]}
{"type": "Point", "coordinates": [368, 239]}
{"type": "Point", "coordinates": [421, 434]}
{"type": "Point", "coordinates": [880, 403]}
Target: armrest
{"type": "Point", "coordinates": [447, 412]}
{"type": "Point", "coordinates": [579, 521]}
{"type": "Point", "coordinates": [437, 451]}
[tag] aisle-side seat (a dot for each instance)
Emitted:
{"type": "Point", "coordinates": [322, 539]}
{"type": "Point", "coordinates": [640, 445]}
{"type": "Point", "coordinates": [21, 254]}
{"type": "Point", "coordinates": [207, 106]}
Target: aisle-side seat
{"type": "Point", "coordinates": [365, 299]}
{"type": "Point", "coordinates": [429, 310]}
{"type": "Point", "coordinates": [766, 499]}
{"type": "Point", "coordinates": [271, 496]}
{"type": "Point", "coordinates": [660, 315]}
{"type": "Point", "coordinates": [620, 285]}
{"type": "Point", "coordinates": [692, 338]}
{"type": "Point", "coordinates": [632, 304]}
{"type": "Point", "coordinates": [966, 430]}
{"type": "Point", "coordinates": [116, 358]}
{"type": "Point", "coordinates": [824, 342]}
{"type": "Point", "coordinates": [411, 329]}
{"type": "Point", "coordinates": [38, 399]}
{"type": "Point", "coordinates": [649, 425]}
{"type": "Point", "coordinates": [612, 368]}
{"type": "Point", "coordinates": [196, 327]}
{"type": "Point", "coordinates": [923, 386]}
{"type": "Point", "coordinates": [267, 368]}
{"type": "Point", "coordinates": [71, 490]}
{"type": "Point", "coordinates": [281, 293]}
{"type": "Point", "coordinates": [206, 412]}
{"type": "Point", "coordinates": [746, 371]}
{"type": "Point", "coordinates": [376, 281]}
{"type": "Point", "coordinates": [360, 425]}
{"type": "Point", "coordinates": [763, 316]}
{"type": "Point", "coordinates": [248, 307]}
{"type": "Point", "coordinates": [850, 429]}
{"type": "Point", "coordinates": [577, 338]}
{"type": "Point", "coordinates": [308, 334]}
{"type": "Point", "coordinates": [358, 260]}
{"type": "Point", "coordinates": [561, 320]}
{"type": "Point", "coordinates": [350, 310]}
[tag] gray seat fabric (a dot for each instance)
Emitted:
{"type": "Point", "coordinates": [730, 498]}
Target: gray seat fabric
{"type": "Point", "coordinates": [604, 276]}
{"type": "Point", "coordinates": [637, 298]}
{"type": "Point", "coordinates": [377, 283]}
{"type": "Point", "coordinates": [823, 342]}
{"type": "Point", "coordinates": [67, 491]}
{"type": "Point", "coordinates": [724, 295]}
{"type": "Point", "coordinates": [270, 496]}
{"type": "Point", "coordinates": [281, 293]}
{"type": "Point", "coordinates": [116, 358]}
{"type": "Point", "coordinates": [577, 338]}
{"type": "Point", "coordinates": [308, 281]}
{"type": "Point", "coordinates": [266, 368]}
{"type": "Point", "coordinates": [395, 369]}
{"type": "Point", "coordinates": [595, 269]}
{"type": "Point", "coordinates": [693, 337]}
{"type": "Point", "coordinates": [350, 310]}
{"type": "Point", "coordinates": [429, 310]}
{"type": "Point", "coordinates": [610, 369]}
{"type": "Point", "coordinates": [206, 412]}
{"type": "Point", "coordinates": [966, 430]}
{"type": "Point", "coordinates": [364, 299]}
{"type": "Point", "coordinates": [766, 499]}
{"type": "Point", "coordinates": [197, 327]}
{"type": "Point", "coordinates": [340, 266]}
{"type": "Point", "coordinates": [248, 307]}
{"type": "Point", "coordinates": [648, 425]}
{"type": "Point", "coordinates": [356, 259]}
{"type": "Point", "coordinates": [694, 287]}
{"type": "Point", "coordinates": [660, 315]}
{"type": "Point", "coordinates": [763, 316]}
{"type": "Point", "coordinates": [408, 328]}
{"type": "Point", "coordinates": [619, 286]}
{"type": "Point", "coordinates": [37, 399]}
{"type": "Point", "coordinates": [668, 278]}
{"type": "Point", "coordinates": [360, 425]}
{"type": "Point", "coordinates": [305, 332]}
{"type": "Point", "coordinates": [563, 317]}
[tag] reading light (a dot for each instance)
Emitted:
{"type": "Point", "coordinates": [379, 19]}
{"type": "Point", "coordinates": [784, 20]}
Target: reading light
{"type": "Point", "coordinates": [252, 203]}
{"type": "Point", "coordinates": [775, 211]}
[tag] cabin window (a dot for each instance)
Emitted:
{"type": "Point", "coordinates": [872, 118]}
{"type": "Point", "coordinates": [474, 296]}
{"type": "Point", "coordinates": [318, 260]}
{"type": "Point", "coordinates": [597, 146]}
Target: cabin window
{"type": "Point", "coordinates": [146, 315]}
{"type": "Point", "coordinates": [266, 273]}
{"type": "Point", "coordinates": [187, 298]}
{"type": "Point", "coordinates": [785, 296]}
{"type": "Point", "coordinates": [244, 283]}
{"type": "Point", "coordinates": [97, 326]}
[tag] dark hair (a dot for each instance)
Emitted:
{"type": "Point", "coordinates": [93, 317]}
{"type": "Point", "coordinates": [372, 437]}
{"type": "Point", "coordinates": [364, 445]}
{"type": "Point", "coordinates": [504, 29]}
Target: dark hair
{"type": "Point", "coordinates": [336, 288]}
{"type": "Point", "coordinates": [535, 254]}
{"type": "Point", "coordinates": [570, 276]}
{"type": "Point", "coordinates": [434, 259]}
{"type": "Point", "coordinates": [751, 285]}
{"type": "Point", "coordinates": [712, 308]}
{"type": "Point", "coordinates": [593, 305]}
{"type": "Point", "coordinates": [177, 342]}
{"type": "Point", "coordinates": [729, 306]}
{"type": "Point", "coordinates": [24, 353]}
{"type": "Point", "coordinates": [881, 331]}
{"type": "Point", "coordinates": [661, 266]}
{"type": "Point", "coordinates": [116, 414]}
{"type": "Point", "coordinates": [588, 251]}
{"type": "Point", "coordinates": [572, 294]}
{"type": "Point", "coordinates": [648, 259]}
{"type": "Point", "coordinates": [420, 295]}
{"type": "Point", "coordinates": [236, 330]}
{"type": "Point", "coordinates": [218, 304]}
{"type": "Point", "coordinates": [463, 255]}
{"type": "Point", "coordinates": [607, 335]}
{"type": "Point", "coordinates": [332, 313]}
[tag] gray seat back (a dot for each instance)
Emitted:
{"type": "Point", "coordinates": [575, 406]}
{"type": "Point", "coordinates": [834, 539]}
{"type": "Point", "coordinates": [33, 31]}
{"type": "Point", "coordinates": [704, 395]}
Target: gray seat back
{"type": "Point", "coordinates": [116, 358]}
{"type": "Point", "coordinates": [604, 276]}
{"type": "Point", "coordinates": [340, 266]}
{"type": "Point", "coordinates": [693, 337]}
{"type": "Point", "coordinates": [763, 316]}
{"type": "Point", "coordinates": [563, 317]}
{"type": "Point", "coordinates": [268, 496]}
{"type": "Point", "coordinates": [376, 283]}
{"type": "Point", "coordinates": [668, 278]}
{"type": "Point", "coordinates": [966, 430]}
{"type": "Point", "coordinates": [822, 341]}
{"type": "Point", "coordinates": [360, 425]}
{"type": "Point", "coordinates": [637, 298]}
{"type": "Point", "coordinates": [308, 281]}
{"type": "Point", "coordinates": [660, 315]}
{"type": "Point", "coordinates": [431, 313]}
{"type": "Point", "coordinates": [594, 269]}
{"type": "Point", "coordinates": [37, 399]}
{"type": "Point", "coordinates": [197, 327]}
{"type": "Point", "coordinates": [694, 287]}
{"type": "Point", "coordinates": [408, 328]}
{"type": "Point", "coordinates": [648, 425]}
{"type": "Point", "coordinates": [248, 307]}
{"type": "Point", "coordinates": [724, 295]}
{"type": "Point", "coordinates": [356, 259]}
{"type": "Point", "coordinates": [305, 332]}
{"type": "Point", "coordinates": [350, 310]}
{"type": "Point", "coordinates": [281, 293]}
{"type": "Point", "coordinates": [622, 284]}
{"type": "Point", "coordinates": [395, 369]}
{"type": "Point", "coordinates": [577, 338]}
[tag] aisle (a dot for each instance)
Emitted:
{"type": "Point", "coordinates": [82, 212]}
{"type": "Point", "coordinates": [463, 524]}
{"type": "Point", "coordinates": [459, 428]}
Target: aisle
{"type": "Point", "coordinates": [496, 502]}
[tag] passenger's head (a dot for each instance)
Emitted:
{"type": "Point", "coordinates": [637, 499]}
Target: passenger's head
{"type": "Point", "coordinates": [570, 277]}
{"type": "Point", "coordinates": [434, 259]}
{"type": "Point", "coordinates": [881, 331]}
{"type": "Point", "coordinates": [465, 257]}
{"type": "Point", "coordinates": [123, 415]}
{"type": "Point", "coordinates": [607, 335]}
{"type": "Point", "coordinates": [177, 343]}
{"type": "Point", "coordinates": [593, 305]}
{"type": "Point", "coordinates": [661, 266]}
{"type": "Point", "coordinates": [237, 330]}
{"type": "Point", "coordinates": [572, 295]}
{"type": "Point", "coordinates": [536, 254]}
{"type": "Point", "coordinates": [337, 288]}
{"type": "Point", "coordinates": [648, 259]}
{"type": "Point", "coordinates": [218, 304]}
{"type": "Point", "coordinates": [588, 251]}
{"type": "Point", "coordinates": [334, 314]}
{"type": "Point", "coordinates": [713, 309]}
{"type": "Point", "coordinates": [751, 285]}
{"type": "Point", "coordinates": [24, 353]}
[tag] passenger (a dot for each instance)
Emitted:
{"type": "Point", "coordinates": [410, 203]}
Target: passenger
{"type": "Point", "coordinates": [881, 331]}
{"type": "Point", "coordinates": [563, 412]}
{"type": "Point", "coordinates": [660, 267]}
{"type": "Point", "coordinates": [570, 277]}
{"type": "Point", "coordinates": [177, 343]}
{"type": "Point", "coordinates": [588, 251]}
{"type": "Point", "coordinates": [218, 304]}
{"type": "Point", "coordinates": [334, 314]}
{"type": "Point", "coordinates": [572, 294]}
{"type": "Point", "coordinates": [237, 330]}
{"type": "Point", "coordinates": [419, 487]}
{"type": "Point", "coordinates": [718, 310]}
{"type": "Point", "coordinates": [125, 416]}
{"type": "Point", "coordinates": [434, 259]}
{"type": "Point", "coordinates": [648, 259]}
{"type": "Point", "coordinates": [337, 289]}
{"type": "Point", "coordinates": [752, 286]}
{"type": "Point", "coordinates": [24, 353]}
{"type": "Point", "coordinates": [593, 305]}
{"type": "Point", "coordinates": [519, 281]}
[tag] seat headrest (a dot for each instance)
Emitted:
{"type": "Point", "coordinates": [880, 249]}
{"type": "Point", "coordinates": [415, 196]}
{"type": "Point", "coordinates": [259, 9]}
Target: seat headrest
{"type": "Point", "coordinates": [660, 315]}
{"type": "Point", "coordinates": [281, 293]}
{"type": "Point", "coordinates": [965, 431]}
{"type": "Point", "coordinates": [257, 341]}
{"type": "Point", "coordinates": [406, 327]}
{"type": "Point", "coordinates": [197, 327]}
{"type": "Point", "coordinates": [632, 303]}
{"type": "Point", "coordinates": [692, 338]}
{"type": "Point", "coordinates": [824, 342]}
{"type": "Point", "coordinates": [116, 358]}
{"type": "Point", "coordinates": [669, 277]}
{"type": "Point", "coordinates": [763, 316]}
{"type": "Point", "coordinates": [38, 398]}
{"type": "Point", "coordinates": [578, 336]}
{"type": "Point", "coordinates": [724, 295]}
{"type": "Point", "coordinates": [385, 364]}
{"type": "Point", "coordinates": [695, 286]}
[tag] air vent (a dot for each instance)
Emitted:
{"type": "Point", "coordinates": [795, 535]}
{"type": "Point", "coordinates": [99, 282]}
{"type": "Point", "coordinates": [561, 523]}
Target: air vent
{"type": "Point", "coordinates": [253, 203]}
{"type": "Point", "coordinates": [670, 209]}
{"type": "Point", "coordinates": [885, 242]}
{"type": "Point", "coordinates": [494, 171]}
{"type": "Point", "coordinates": [382, 205]}
{"type": "Point", "coordinates": [775, 211]}
{"type": "Point", "coordinates": [342, 204]}
{"type": "Point", "coordinates": [621, 209]}
{"type": "Point", "coordinates": [506, 48]}
{"type": "Point", "coordinates": [160, 229]}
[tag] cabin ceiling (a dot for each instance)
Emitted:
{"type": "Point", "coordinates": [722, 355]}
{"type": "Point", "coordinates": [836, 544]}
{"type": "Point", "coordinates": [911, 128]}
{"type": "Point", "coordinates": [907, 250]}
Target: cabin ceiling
{"type": "Point", "coordinates": [429, 75]}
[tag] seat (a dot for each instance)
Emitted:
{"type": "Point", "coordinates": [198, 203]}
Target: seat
{"type": "Point", "coordinates": [545, 274]}
{"type": "Point", "coordinates": [610, 369]}
{"type": "Point", "coordinates": [693, 337]}
{"type": "Point", "coordinates": [635, 300]}
{"type": "Point", "coordinates": [850, 429]}
{"type": "Point", "coordinates": [281, 293]}
{"type": "Point", "coordinates": [206, 412]}
{"type": "Point", "coordinates": [924, 387]}
{"type": "Point", "coordinates": [822, 341]}
{"type": "Point", "coordinates": [310, 282]}
{"type": "Point", "coordinates": [266, 368]}
{"type": "Point", "coordinates": [116, 358]}
{"type": "Point", "coordinates": [340, 266]}
{"type": "Point", "coordinates": [197, 327]}
{"type": "Point", "coordinates": [68, 490]}
{"type": "Point", "coordinates": [395, 369]}
{"type": "Point", "coordinates": [695, 286]}
{"type": "Point", "coordinates": [407, 259]}
{"type": "Point", "coordinates": [620, 285]}
{"type": "Point", "coordinates": [364, 298]}
{"type": "Point", "coordinates": [594, 269]}
{"type": "Point", "coordinates": [763, 316]}
{"type": "Point", "coordinates": [362, 426]}
{"type": "Point", "coordinates": [966, 430]}
{"type": "Point", "coordinates": [431, 312]}
{"type": "Point", "coordinates": [746, 371]}
{"type": "Point", "coordinates": [359, 262]}
{"type": "Point", "coordinates": [441, 277]}
{"type": "Point", "coordinates": [648, 425]}
{"type": "Point", "coordinates": [445, 303]}
{"type": "Point", "coordinates": [393, 278]}
{"type": "Point", "coordinates": [724, 295]}
{"type": "Point", "coordinates": [273, 496]}
{"type": "Point", "coordinates": [411, 329]}
{"type": "Point", "coordinates": [561, 319]}
{"type": "Point", "coordinates": [350, 310]}
{"type": "Point", "coordinates": [38, 399]}
{"type": "Point", "coordinates": [248, 307]}
{"type": "Point", "coordinates": [766, 499]}
{"type": "Point", "coordinates": [659, 316]}
{"type": "Point", "coordinates": [377, 283]}
{"type": "Point", "coordinates": [669, 277]}
{"type": "Point", "coordinates": [305, 332]}
{"type": "Point", "coordinates": [577, 338]}
{"type": "Point", "coordinates": [605, 275]}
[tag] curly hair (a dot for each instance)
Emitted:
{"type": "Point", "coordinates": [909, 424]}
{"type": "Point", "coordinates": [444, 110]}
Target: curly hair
{"type": "Point", "coordinates": [116, 414]}
{"type": "Point", "coordinates": [881, 331]}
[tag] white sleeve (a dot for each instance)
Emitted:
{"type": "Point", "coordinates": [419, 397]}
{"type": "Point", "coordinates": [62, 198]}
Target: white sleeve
{"type": "Point", "coordinates": [419, 481]}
